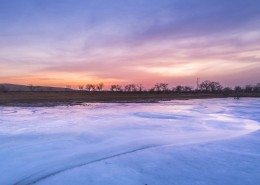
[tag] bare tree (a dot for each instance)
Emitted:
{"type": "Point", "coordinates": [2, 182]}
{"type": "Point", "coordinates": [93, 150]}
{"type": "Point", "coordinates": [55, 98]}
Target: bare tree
{"type": "Point", "coordinates": [227, 90]}
{"type": "Point", "coordinates": [157, 87]}
{"type": "Point", "coordinates": [81, 87]}
{"type": "Point", "coordinates": [127, 88]}
{"type": "Point", "coordinates": [238, 89]}
{"type": "Point", "coordinates": [215, 86]}
{"type": "Point", "coordinates": [140, 87]}
{"type": "Point", "coordinates": [256, 88]}
{"type": "Point", "coordinates": [90, 87]}
{"type": "Point", "coordinates": [210, 86]}
{"type": "Point", "coordinates": [116, 88]}
{"type": "Point", "coordinates": [164, 87]}
{"type": "Point", "coordinates": [161, 87]}
{"type": "Point", "coordinates": [205, 85]}
{"type": "Point", "coordinates": [100, 86]}
{"type": "Point", "coordinates": [249, 88]}
{"type": "Point", "coordinates": [131, 88]}
{"type": "Point", "coordinates": [113, 87]}
{"type": "Point", "coordinates": [152, 89]}
{"type": "Point", "coordinates": [179, 88]}
{"type": "Point", "coordinates": [187, 88]}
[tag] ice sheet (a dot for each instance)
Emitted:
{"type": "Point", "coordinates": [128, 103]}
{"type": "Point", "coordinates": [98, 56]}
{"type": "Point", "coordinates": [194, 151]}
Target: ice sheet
{"type": "Point", "coordinates": [211, 141]}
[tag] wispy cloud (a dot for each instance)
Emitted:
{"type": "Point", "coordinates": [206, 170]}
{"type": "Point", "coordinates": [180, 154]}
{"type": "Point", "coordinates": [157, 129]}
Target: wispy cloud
{"type": "Point", "coordinates": [144, 41]}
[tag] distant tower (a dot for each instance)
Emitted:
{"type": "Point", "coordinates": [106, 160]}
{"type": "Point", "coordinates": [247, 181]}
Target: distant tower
{"type": "Point", "coordinates": [197, 83]}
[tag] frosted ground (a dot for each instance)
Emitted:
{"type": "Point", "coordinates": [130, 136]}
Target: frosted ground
{"type": "Point", "coordinates": [189, 142]}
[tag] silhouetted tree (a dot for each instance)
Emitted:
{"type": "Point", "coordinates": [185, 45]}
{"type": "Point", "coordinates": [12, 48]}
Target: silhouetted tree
{"type": "Point", "coordinates": [161, 87]}
{"type": "Point", "coordinates": [81, 87]}
{"type": "Point", "coordinates": [215, 86]}
{"type": "Point", "coordinates": [127, 88]}
{"type": "Point", "coordinates": [157, 87]}
{"type": "Point", "coordinates": [204, 86]}
{"type": "Point", "coordinates": [130, 88]}
{"type": "Point", "coordinates": [256, 88]}
{"type": "Point", "coordinates": [116, 88]}
{"type": "Point", "coordinates": [100, 86]}
{"type": "Point", "coordinates": [187, 89]}
{"type": "Point", "coordinates": [140, 87]}
{"type": "Point", "coordinates": [210, 86]}
{"type": "Point", "coordinates": [248, 88]}
{"type": "Point", "coordinates": [164, 86]}
{"type": "Point", "coordinates": [90, 87]}
{"type": "Point", "coordinates": [227, 90]}
{"type": "Point", "coordinates": [238, 89]}
{"type": "Point", "coordinates": [178, 88]}
{"type": "Point", "coordinates": [152, 89]}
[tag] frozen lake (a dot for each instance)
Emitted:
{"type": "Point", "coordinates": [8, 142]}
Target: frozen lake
{"type": "Point", "coordinates": [188, 142]}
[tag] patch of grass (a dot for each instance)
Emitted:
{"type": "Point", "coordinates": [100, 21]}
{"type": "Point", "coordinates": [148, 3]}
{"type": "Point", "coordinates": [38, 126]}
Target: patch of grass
{"type": "Point", "coordinates": [71, 97]}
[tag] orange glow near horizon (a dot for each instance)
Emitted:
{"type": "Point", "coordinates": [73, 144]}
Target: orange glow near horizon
{"type": "Point", "coordinates": [156, 42]}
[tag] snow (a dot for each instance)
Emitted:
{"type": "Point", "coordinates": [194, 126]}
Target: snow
{"type": "Point", "coordinates": [182, 142]}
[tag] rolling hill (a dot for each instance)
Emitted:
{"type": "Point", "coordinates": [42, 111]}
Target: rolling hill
{"type": "Point", "coordinates": [16, 87]}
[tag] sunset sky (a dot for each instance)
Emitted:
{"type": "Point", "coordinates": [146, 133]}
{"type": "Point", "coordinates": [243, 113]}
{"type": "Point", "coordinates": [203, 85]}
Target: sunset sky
{"type": "Point", "coordinates": [73, 42]}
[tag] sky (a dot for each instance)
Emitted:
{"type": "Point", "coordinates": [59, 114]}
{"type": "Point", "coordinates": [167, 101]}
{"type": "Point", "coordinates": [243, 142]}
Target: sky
{"type": "Point", "coordinates": [76, 42]}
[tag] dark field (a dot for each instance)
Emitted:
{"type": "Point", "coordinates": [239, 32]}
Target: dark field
{"type": "Point", "coordinates": [77, 97]}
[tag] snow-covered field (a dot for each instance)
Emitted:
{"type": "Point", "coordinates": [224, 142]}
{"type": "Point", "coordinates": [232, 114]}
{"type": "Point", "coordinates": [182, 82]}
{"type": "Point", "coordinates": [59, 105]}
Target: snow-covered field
{"type": "Point", "coordinates": [189, 142]}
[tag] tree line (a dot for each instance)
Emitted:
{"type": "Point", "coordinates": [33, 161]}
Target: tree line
{"type": "Point", "coordinates": [206, 86]}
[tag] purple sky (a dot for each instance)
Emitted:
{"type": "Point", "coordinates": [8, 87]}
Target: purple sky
{"type": "Point", "coordinates": [73, 42]}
